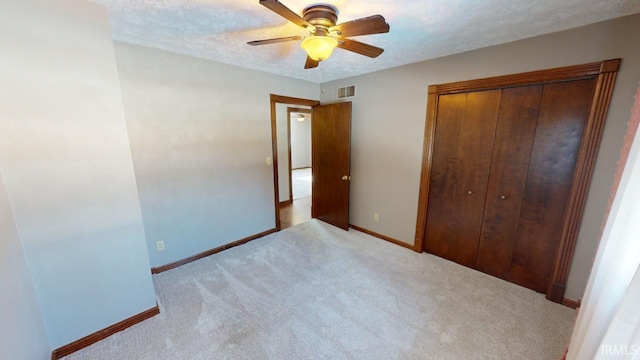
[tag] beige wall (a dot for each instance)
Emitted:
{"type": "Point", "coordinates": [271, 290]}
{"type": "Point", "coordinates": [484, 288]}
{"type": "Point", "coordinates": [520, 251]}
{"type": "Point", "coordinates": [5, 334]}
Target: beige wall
{"type": "Point", "coordinates": [200, 134]}
{"type": "Point", "coordinates": [389, 116]}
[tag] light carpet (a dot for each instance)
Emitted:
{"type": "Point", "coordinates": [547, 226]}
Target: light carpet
{"type": "Point", "coordinates": [317, 292]}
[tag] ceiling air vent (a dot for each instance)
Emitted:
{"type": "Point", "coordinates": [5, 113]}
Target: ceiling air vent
{"type": "Point", "coordinates": [346, 92]}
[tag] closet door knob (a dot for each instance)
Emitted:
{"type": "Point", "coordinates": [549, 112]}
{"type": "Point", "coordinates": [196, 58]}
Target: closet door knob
{"type": "Point", "coordinates": [503, 197]}
{"type": "Point", "coordinates": [469, 192]}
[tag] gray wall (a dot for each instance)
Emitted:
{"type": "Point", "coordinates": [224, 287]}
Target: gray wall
{"type": "Point", "coordinates": [200, 133]}
{"type": "Point", "coordinates": [389, 117]}
{"type": "Point", "coordinates": [301, 143]}
{"type": "Point", "coordinates": [22, 333]}
{"type": "Point", "coordinates": [65, 156]}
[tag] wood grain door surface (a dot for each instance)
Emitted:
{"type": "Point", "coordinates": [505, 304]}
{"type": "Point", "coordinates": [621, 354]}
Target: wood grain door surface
{"type": "Point", "coordinates": [460, 173]}
{"type": "Point", "coordinates": [564, 110]}
{"type": "Point", "coordinates": [331, 152]}
{"type": "Point", "coordinates": [516, 128]}
{"type": "Point", "coordinates": [503, 165]}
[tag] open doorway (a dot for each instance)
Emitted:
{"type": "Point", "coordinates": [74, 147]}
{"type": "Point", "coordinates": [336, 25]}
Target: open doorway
{"type": "Point", "coordinates": [299, 135]}
{"type": "Point", "coordinates": [298, 208]}
{"type": "Point", "coordinates": [330, 157]}
{"type": "Point", "coordinates": [291, 209]}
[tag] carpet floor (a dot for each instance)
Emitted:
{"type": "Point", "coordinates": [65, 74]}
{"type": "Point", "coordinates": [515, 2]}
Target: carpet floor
{"type": "Point", "coordinates": [317, 292]}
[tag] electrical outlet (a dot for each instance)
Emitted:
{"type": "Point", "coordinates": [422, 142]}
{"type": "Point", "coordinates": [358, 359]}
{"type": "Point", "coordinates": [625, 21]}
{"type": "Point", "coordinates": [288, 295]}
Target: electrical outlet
{"type": "Point", "coordinates": [160, 245]}
{"type": "Point", "coordinates": [376, 217]}
{"type": "Point", "coordinates": [269, 160]}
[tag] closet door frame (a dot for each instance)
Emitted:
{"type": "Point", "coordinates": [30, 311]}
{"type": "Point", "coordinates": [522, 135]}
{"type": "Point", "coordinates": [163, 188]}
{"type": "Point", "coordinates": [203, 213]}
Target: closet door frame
{"type": "Point", "coordinates": [605, 74]}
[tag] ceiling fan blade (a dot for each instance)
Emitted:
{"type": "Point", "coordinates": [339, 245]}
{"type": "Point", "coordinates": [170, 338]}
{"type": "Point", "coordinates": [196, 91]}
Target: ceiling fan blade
{"type": "Point", "coordinates": [286, 13]}
{"type": "Point", "coordinates": [273, 41]}
{"type": "Point", "coordinates": [360, 48]}
{"type": "Point", "coordinates": [310, 64]}
{"type": "Point", "coordinates": [375, 24]}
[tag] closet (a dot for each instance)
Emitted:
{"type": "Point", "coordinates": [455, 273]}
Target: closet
{"type": "Point", "coordinates": [506, 168]}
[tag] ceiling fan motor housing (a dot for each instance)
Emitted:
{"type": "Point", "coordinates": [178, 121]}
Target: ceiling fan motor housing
{"type": "Point", "coordinates": [321, 16]}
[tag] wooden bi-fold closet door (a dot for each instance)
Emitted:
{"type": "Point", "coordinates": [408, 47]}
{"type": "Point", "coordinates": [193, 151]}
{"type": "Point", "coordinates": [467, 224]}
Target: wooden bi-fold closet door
{"type": "Point", "coordinates": [508, 170]}
{"type": "Point", "coordinates": [503, 163]}
{"type": "Point", "coordinates": [515, 133]}
{"type": "Point", "coordinates": [461, 164]}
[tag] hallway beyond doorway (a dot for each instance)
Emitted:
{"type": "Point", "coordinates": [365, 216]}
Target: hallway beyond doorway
{"type": "Point", "coordinates": [301, 181]}
{"type": "Point", "coordinates": [295, 213]}
{"type": "Point", "coordinates": [299, 210]}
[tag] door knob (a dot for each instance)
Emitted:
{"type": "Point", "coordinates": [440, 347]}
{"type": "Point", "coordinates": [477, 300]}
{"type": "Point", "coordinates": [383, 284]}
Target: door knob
{"type": "Point", "coordinates": [469, 192]}
{"type": "Point", "coordinates": [503, 197]}
{"type": "Point", "coordinates": [345, 177]}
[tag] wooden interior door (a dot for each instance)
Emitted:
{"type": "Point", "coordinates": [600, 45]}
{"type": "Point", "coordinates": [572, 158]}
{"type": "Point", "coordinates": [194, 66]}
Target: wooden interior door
{"type": "Point", "coordinates": [464, 138]}
{"type": "Point", "coordinates": [331, 161]}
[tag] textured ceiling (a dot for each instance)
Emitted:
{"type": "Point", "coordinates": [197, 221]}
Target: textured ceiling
{"type": "Point", "coordinates": [420, 29]}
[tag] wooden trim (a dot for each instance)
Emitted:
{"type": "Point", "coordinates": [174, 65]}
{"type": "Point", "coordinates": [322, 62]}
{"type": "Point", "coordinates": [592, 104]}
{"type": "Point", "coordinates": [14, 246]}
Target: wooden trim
{"type": "Point", "coordinates": [585, 164]}
{"type": "Point", "coordinates": [425, 177]}
{"type": "Point", "coordinates": [605, 73]}
{"type": "Point", "coordinates": [274, 162]}
{"type": "Point", "coordinates": [286, 202]}
{"type": "Point", "coordinates": [383, 237]}
{"type": "Point", "coordinates": [301, 110]}
{"type": "Point", "coordinates": [574, 304]}
{"type": "Point", "coordinates": [555, 291]}
{"type": "Point", "coordinates": [293, 100]}
{"type": "Point", "coordinates": [274, 99]}
{"type": "Point", "coordinates": [173, 265]}
{"type": "Point", "coordinates": [301, 168]}
{"type": "Point", "coordinates": [566, 73]}
{"type": "Point", "coordinates": [104, 333]}
{"type": "Point", "coordinates": [289, 175]}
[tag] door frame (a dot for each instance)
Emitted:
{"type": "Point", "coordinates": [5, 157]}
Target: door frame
{"type": "Point", "coordinates": [291, 110]}
{"type": "Point", "coordinates": [279, 99]}
{"type": "Point", "coordinates": [605, 74]}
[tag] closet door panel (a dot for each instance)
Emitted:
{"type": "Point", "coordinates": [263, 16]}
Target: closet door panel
{"type": "Point", "coordinates": [515, 132]}
{"type": "Point", "coordinates": [564, 111]}
{"type": "Point", "coordinates": [465, 130]}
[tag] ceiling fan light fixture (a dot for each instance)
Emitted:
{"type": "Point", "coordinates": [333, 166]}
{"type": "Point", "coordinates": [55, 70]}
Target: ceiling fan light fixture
{"type": "Point", "coordinates": [325, 34]}
{"type": "Point", "coordinates": [319, 48]}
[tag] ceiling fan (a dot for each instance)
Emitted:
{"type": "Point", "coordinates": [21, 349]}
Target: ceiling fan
{"type": "Point", "coordinates": [324, 34]}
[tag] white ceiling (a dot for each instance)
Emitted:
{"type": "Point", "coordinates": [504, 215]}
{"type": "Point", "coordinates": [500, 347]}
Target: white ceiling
{"type": "Point", "coordinates": [420, 29]}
